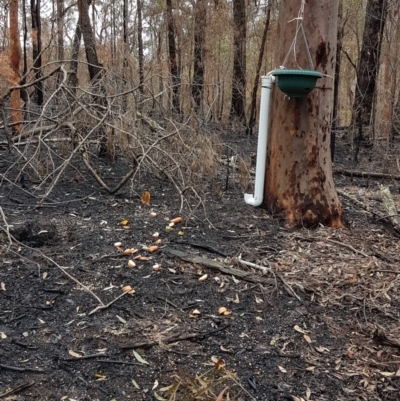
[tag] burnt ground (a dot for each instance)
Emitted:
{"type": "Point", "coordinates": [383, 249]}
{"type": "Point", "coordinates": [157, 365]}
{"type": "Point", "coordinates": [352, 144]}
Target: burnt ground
{"type": "Point", "coordinates": [322, 323]}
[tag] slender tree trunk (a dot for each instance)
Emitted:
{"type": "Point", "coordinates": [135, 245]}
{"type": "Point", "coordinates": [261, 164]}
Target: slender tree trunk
{"type": "Point", "coordinates": [140, 45]}
{"type": "Point", "coordinates": [238, 102]}
{"type": "Point", "coordinates": [24, 92]}
{"type": "Point", "coordinates": [368, 64]}
{"type": "Point", "coordinates": [252, 113]}
{"type": "Point", "coordinates": [200, 16]}
{"type": "Point", "coordinates": [88, 38]}
{"type": "Point", "coordinates": [395, 131]}
{"type": "Point", "coordinates": [60, 35]}
{"type": "Point", "coordinates": [299, 180]}
{"type": "Point", "coordinates": [173, 66]}
{"type": "Point", "coordinates": [73, 76]}
{"type": "Point", "coordinates": [37, 49]}
{"type": "Point", "coordinates": [15, 56]}
{"type": "Point", "coordinates": [335, 116]}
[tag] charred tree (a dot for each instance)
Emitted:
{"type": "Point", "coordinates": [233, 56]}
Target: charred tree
{"type": "Point", "coordinates": [37, 49]}
{"type": "Point", "coordinates": [368, 64]}
{"type": "Point", "coordinates": [73, 75]}
{"type": "Point", "coordinates": [299, 182]}
{"type": "Point", "coordinates": [60, 35]}
{"type": "Point", "coordinates": [24, 93]}
{"type": "Point", "coordinates": [173, 65]}
{"type": "Point", "coordinates": [88, 39]}
{"type": "Point", "coordinates": [15, 57]}
{"type": "Point", "coordinates": [140, 45]}
{"type": "Point", "coordinates": [238, 101]}
{"type": "Point", "coordinates": [200, 16]}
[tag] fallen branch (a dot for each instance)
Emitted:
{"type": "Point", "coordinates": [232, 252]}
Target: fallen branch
{"type": "Point", "coordinates": [357, 202]}
{"type": "Point", "coordinates": [175, 338]}
{"type": "Point", "coordinates": [362, 174]}
{"type": "Point", "coordinates": [100, 307]}
{"type": "Point", "coordinates": [18, 369]}
{"type": "Point", "coordinates": [348, 247]}
{"type": "Point", "coordinates": [92, 171]}
{"type": "Point", "coordinates": [17, 389]}
{"type": "Point", "coordinates": [381, 338]}
{"type": "Point", "coordinates": [62, 269]}
{"type": "Point", "coordinates": [390, 208]}
{"type": "Point", "coordinates": [219, 266]}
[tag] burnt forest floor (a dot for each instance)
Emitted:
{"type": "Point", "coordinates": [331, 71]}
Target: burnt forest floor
{"type": "Point", "coordinates": [321, 322]}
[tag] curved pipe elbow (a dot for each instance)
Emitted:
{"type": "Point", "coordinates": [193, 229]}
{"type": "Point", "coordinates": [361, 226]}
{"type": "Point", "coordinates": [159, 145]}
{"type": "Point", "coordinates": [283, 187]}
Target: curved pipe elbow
{"type": "Point", "coordinates": [253, 200]}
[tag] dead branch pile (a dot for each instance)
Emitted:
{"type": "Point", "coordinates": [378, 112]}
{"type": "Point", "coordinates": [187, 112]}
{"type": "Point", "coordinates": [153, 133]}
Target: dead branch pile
{"type": "Point", "coordinates": [109, 121]}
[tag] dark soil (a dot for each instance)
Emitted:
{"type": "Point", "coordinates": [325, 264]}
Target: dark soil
{"type": "Point", "coordinates": [304, 329]}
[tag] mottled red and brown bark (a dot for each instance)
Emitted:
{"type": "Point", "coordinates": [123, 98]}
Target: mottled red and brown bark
{"type": "Point", "coordinates": [299, 180]}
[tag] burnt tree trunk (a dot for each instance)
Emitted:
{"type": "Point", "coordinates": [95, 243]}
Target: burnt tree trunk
{"type": "Point", "coordinates": [73, 75]}
{"type": "Point", "coordinates": [88, 38]}
{"type": "Point", "coordinates": [24, 92]}
{"type": "Point", "coordinates": [173, 65]}
{"type": "Point", "coordinates": [200, 16]}
{"type": "Point", "coordinates": [15, 57]}
{"type": "Point", "coordinates": [253, 104]}
{"type": "Point", "coordinates": [299, 182]}
{"type": "Point", "coordinates": [140, 45]}
{"type": "Point", "coordinates": [238, 101]}
{"type": "Point", "coordinates": [368, 63]}
{"type": "Point", "coordinates": [60, 36]}
{"type": "Point", "coordinates": [37, 49]}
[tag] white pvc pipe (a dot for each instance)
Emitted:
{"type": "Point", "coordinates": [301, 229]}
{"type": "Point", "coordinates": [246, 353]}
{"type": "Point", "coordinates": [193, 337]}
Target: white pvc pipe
{"type": "Point", "coordinates": [258, 197]}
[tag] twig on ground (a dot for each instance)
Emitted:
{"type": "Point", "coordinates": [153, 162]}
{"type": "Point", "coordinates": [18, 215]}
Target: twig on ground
{"type": "Point", "coordinates": [259, 267]}
{"type": "Point", "coordinates": [101, 307]}
{"type": "Point", "coordinates": [275, 274]}
{"type": "Point", "coordinates": [18, 369]}
{"type": "Point", "coordinates": [219, 266]}
{"type": "Point", "coordinates": [203, 246]}
{"type": "Point", "coordinates": [90, 356]}
{"type": "Point", "coordinates": [387, 271]}
{"type": "Point", "coordinates": [62, 269]}
{"type": "Point", "coordinates": [118, 362]}
{"type": "Point", "coordinates": [348, 247]}
{"type": "Point", "coordinates": [17, 389]}
{"type": "Point", "coordinates": [365, 174]}
{"type": "Point", "coordinates": [175, 338]}
{"type": "Point", "coordinates": [7, 229]}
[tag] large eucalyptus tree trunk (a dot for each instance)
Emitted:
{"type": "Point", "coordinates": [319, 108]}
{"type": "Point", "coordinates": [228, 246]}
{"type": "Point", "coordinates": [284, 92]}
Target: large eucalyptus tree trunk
{"type": "Point", "coordinates": [299, 182]}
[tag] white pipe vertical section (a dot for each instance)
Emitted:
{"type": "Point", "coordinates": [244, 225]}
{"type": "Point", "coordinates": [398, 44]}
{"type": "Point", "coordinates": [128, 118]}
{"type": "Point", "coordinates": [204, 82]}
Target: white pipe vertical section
{"type": "Point", "coordinates": [258, 197]}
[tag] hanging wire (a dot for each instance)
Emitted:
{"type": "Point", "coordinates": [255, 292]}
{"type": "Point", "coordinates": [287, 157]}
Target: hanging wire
{"type": "Point", "coordinates": [299, 26]}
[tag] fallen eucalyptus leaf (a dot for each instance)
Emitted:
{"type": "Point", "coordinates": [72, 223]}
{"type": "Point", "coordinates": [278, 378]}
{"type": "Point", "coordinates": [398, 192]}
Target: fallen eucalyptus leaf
{"type": "Point", "coordinates": [159, 398]}
{"type": "Point", "coordinates": [121, 319]}
{"type": "Point", "coordinates": [139, 358]}
{"type": "Point", "coordinates": [74, 354]}
{"type": "Point", "coordinates": [135, 384]}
